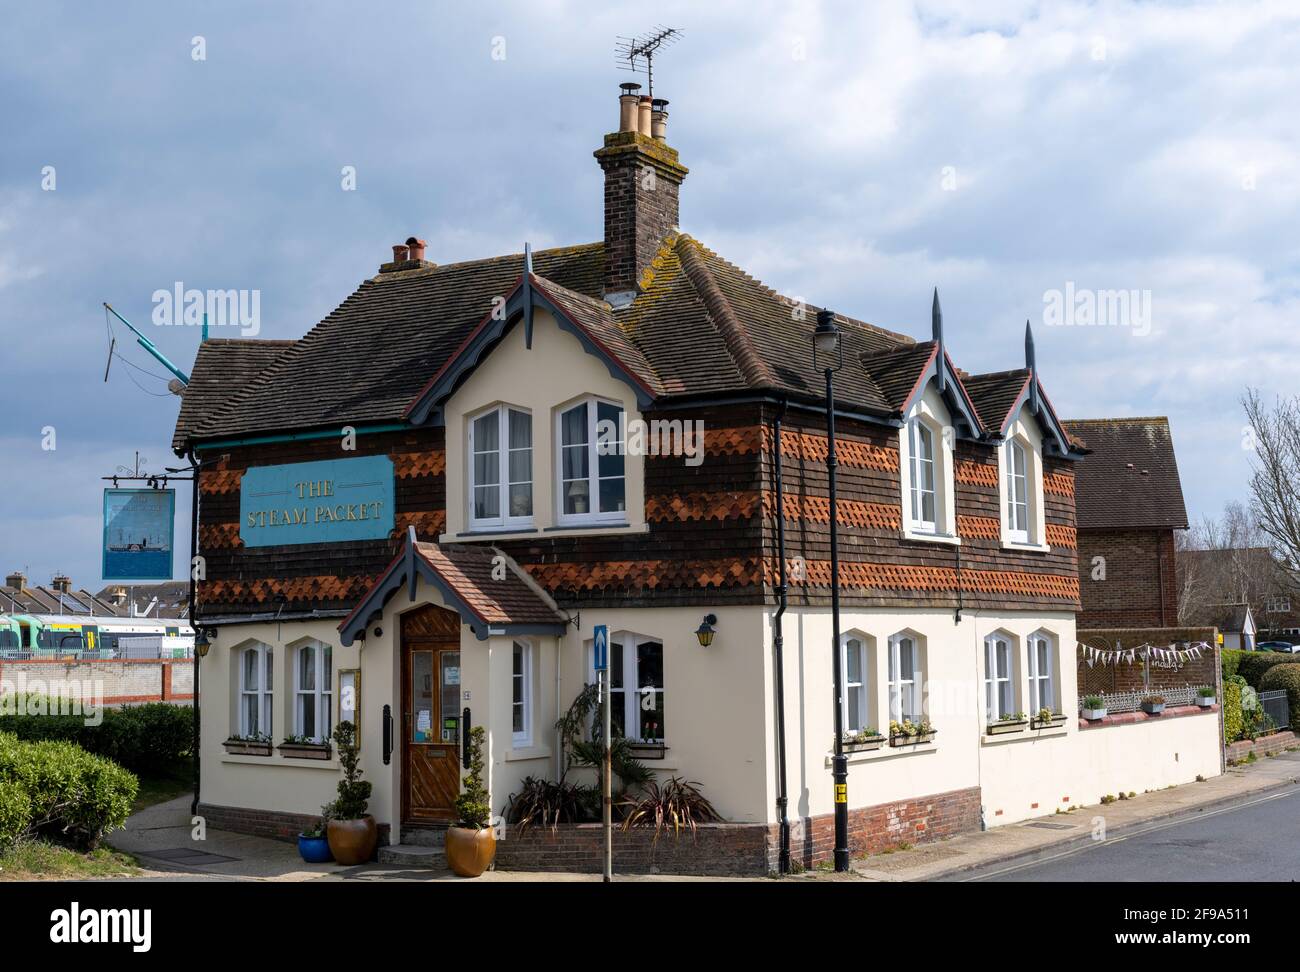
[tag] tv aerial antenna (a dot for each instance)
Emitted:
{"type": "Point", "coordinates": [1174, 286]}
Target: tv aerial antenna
{"type": "Point", "coordinates": [637, 54]}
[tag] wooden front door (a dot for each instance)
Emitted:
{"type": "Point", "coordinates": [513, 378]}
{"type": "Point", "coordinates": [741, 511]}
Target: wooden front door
{"type": "Point", "coordinates": [431, 713]}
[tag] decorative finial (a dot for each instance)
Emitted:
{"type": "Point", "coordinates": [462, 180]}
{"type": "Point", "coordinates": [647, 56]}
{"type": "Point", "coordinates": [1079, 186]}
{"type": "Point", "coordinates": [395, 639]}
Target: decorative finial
{"type": "Point", "coordinates": [528, 258]}
{"type": "Point", "coordinates": [1033, 368]}
{"type": "Point", "coordinates": [936, 328]}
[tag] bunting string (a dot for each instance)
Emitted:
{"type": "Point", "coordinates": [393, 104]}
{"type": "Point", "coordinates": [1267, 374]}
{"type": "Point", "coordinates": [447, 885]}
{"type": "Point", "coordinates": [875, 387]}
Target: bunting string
{"type": "Point", "coordinates": [1173, 654]}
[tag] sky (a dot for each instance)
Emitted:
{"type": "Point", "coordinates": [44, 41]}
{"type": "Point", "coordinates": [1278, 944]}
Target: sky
{"type": "Point", "coordinates": [1027, 159]}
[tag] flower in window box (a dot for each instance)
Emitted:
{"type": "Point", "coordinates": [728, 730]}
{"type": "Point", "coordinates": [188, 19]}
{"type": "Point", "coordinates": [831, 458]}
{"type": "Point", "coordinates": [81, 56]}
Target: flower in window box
{"type": "Point", "coordinates": [1045, 718]}
{"type": "Point", "coordinates": [1007, 722]}
{"type": "Point", "coordinates": [864, 740]}
{"type": "Point", "coordinates": [908, 733]}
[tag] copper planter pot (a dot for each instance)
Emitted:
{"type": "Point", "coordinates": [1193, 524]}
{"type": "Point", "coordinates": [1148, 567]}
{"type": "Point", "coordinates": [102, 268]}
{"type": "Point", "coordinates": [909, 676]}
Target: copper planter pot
{"type": "Point", "coordinates": [469, 852]}
{"type": "Point", "coordinates": [352, 841]}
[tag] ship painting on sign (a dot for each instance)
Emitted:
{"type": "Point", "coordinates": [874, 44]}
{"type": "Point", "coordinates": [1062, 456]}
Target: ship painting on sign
{"type": "Point", "coordinates": [138, 528]}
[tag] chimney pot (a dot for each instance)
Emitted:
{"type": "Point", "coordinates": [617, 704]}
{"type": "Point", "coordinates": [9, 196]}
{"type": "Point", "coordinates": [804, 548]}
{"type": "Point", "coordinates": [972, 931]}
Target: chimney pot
{"type": "Point", "coordinates": [627, 106]}
{"type": "Point", "coordinates": [16, 580]}
{"type": "Point", "coordinates": [400, 253]}
{"type": "Point", "coordinates": [416, 248]}
{"type": "Point", "coordinates": [61, 582]}
{"type": "Point", "coordinates": [643, 116]}
{"type": "Point", "coordinates": [659, 119]}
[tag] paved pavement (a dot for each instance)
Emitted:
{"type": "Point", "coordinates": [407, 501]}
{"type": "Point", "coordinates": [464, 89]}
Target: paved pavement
{"type": "Point", "coordinates": [962, 858]}
{"type": "Point", "coordinates": [1263, 797]}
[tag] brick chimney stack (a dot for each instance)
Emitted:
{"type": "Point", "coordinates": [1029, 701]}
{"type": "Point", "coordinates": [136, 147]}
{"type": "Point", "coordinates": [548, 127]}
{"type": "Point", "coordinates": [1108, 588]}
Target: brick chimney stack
{"type": "Point", "coordinates": [17, 580]}
{"type": "Point", "coordinates": [61, 583]}
{"type": "Point", "coordinates": [642, 179]}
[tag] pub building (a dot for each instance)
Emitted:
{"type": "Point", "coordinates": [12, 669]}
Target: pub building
{"type": "Point", "coordinates": [415, 516]}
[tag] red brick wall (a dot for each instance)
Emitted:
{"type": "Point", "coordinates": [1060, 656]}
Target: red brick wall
{"type": "Point", "coordinates": [265, 823]}
{"type": "Point", "coordinates": [1127, 677]}
{"type": "Point", "coordinates": [1140, 587]}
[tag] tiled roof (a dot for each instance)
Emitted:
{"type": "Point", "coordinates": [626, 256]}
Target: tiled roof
{"type": "Point", "coordinates": [1225, 617]}
{"type": "Point", "coordinates": [701, 326]}
{"type": "Point", "coordinates": [506, 599]}
{"type": "Point", "coordinates": [221, 368]}
{"type": "Point", "coordinates": [994, 394]}
{"type": "Point", "coordinates": [1130, 478]}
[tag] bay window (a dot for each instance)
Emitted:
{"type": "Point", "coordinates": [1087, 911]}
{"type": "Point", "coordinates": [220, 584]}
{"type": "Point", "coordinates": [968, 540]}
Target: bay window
{"type": "Point", "coordinates": [256, 690]}
{"type": "Point", "coordinates": [313, 693]}
{"type": "Point", "coordinates": [591, 470]}
{"type": "Point", "coordinates": [501, 468]}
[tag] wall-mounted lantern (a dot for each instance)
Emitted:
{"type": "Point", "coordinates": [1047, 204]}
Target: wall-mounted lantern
{"type": "Point", "coordinates": [706, 631]}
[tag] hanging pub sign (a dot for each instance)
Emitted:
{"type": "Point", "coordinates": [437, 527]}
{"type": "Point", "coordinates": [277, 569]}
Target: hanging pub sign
{"type": "Point", "coordinates": [139, 530]}
{"type": "Point", "coordinates": [332, 501]}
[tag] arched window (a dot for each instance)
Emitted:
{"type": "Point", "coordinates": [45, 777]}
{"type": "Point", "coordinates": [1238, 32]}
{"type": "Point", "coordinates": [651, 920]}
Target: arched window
{"type": "Point", "coordinates": [924, 497]}
{"type": "Point", "coordinates": [1042, 673]}
{"type": "Point", "coordinates": [313, 711]}
{"type": "Point", "coordinates": [905, 678]}
{"type": "Point", "coordinates": [999, 677]}
{"type": "Point", "coordinates": [1017, 492]}
{"type": "Point", "coordinates": [856, 670]}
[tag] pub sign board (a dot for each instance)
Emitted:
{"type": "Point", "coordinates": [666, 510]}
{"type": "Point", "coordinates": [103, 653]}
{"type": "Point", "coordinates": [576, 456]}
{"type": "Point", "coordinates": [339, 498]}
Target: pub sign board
{"type": "Point", "coordinates": [332, 501]}
{"type": "Point", "coordinates": [139, 534]}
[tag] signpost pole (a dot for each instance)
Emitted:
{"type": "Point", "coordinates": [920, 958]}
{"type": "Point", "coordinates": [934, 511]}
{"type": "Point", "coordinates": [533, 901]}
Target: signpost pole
{"type": "Point", "coordinates": [600, 649]}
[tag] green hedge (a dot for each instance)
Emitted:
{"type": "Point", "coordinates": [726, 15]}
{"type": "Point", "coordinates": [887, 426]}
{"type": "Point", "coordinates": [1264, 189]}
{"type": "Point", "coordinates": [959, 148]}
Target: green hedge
{"type": "Point", "coordinates": [1230, 660]}
{"type": "Point", "coordinates": [154, 738]}
{"type": "Point", "coordinates": [1285, 677]}
{"type": "Point", "coordinates": [1232, 720]}
{"type": "Point", "coordinates": [15, 812]}
{"type": "Point", "coordinates": [71, 793]}
{"type": "Point", "coordinates": [1253, 664]}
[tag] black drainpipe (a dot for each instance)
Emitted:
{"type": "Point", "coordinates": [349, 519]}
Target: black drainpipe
{"type": "Point", "coordinates": [196, 465]}
{"type": "Point", "coordinates": [778, 647]}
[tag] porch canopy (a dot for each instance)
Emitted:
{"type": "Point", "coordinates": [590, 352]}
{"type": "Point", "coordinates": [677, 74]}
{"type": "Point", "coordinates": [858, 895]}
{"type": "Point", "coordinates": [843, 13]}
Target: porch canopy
{"type": "Point", "coordinates": [489, 591]}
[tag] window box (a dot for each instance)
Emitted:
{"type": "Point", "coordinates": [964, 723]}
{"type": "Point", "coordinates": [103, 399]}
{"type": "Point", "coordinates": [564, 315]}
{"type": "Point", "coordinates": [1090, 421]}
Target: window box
{"type": "Point", "coordinates": [305, 750]}
{"type": "Point", "coordinates": [1007, 726]}
{"type": "Point", "coordinates": [865, 744]}
{"type": "Point", "coordinates": [1049, 722]}
{"type": "Point", "coordinates": [902, 739]}
{"type": "Point", "coordinates": [646, 750]}
{"type": "Point", "coordinates": [247, 747]}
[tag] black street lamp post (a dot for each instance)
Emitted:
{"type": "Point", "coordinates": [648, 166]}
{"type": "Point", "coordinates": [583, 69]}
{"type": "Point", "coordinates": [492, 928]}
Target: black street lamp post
{"type": "Point", "coordinates": [827, 342]}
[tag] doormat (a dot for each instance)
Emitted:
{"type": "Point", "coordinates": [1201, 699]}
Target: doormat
{"type": "Point", "coordinates": [187, 856]}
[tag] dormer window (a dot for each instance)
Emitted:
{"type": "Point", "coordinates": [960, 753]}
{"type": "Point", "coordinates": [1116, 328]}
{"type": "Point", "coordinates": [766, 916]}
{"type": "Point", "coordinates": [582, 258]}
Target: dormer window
{"type": "Point", "coordinates": [926, 472]}
{"type": "Point", "coordinates": [501, 468]}
{"type": "Point", "coordinates": [922, 456]}
{"type": "Point", "coordinates": [1017, 493]}
{"type": "Point", "coordinates": [591, 471]}
{"type": "Point", "coordinates": [1020, 468]}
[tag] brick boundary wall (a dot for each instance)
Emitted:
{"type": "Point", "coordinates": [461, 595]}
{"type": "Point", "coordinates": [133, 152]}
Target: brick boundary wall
{"type": "Point", "coordinates": [1133, 718]}
{"type": "Point", "coordinates": [275, 824]}
{"type": "Point", "coordinates": [115, 672]}
{"type": "Point", "coordinates": [1263, 746]}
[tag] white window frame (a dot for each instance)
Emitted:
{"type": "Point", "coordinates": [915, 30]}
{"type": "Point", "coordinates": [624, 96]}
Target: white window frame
{"type": "Point", "coordinates": [855, 717]}
{"type": "Point", "coordinates": [521, 739]}
{"type": "Point", "coordinates": [626, 642]}
{"type": "Point", "coordinates": [920, 434]}
{"type": "Point", "coordinates": [503, 451]}
{"type": "Point", "coordinates": [1024, 435]}
{"type": "Point", "coordinates": [995, 679]}
{"type": "Point", "coordinates": [1017, 492]}
{"type": "Point", "coordinates": [931, 412]}
{"type": "Point", "coordinates": [1277, 604]}
{"type": "Point", "coordinates": [897, 686]}
{"type": "Point", "coordinates": [1042, 684]}
{"type": "Point", "coordinates": [320, 697]}
{"type": "Point", "coordinates": [593, 514]}
{"type": "Point", "coordinates": [264, 691]}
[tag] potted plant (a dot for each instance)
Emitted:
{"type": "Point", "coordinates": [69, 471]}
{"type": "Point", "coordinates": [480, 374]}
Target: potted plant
{"type": "Point", "coordinates": [302, 747]}
{"type": "Point", "coordinates": [351, 831]}
{"type": "Point", "coordinates": [1007, 722]}
{"type": "Point", "coordinates": [313, 845]}
{"type": "Point", "coordinates": [1045, 718]}
{"type": "Point", "coordinates": [257, 744]}
{"type": "Point", "coordinates": [470, 844]}
{"type": "Point", "coordinates": [909, 733]}
{"type": "Point", "coordinates": [863, 741]}
{"type": "Point", "coordinates": [1094, 708]}
{"type": "Point", "coordinates": [1205, 696]}
{"type": "Point", "coordinates": [1153, 704]}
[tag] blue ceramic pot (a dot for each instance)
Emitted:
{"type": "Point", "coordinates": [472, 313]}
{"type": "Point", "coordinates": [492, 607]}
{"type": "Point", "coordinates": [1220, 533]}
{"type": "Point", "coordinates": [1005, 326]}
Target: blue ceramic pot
{"type": "Point", "coordinates": [314, 850]}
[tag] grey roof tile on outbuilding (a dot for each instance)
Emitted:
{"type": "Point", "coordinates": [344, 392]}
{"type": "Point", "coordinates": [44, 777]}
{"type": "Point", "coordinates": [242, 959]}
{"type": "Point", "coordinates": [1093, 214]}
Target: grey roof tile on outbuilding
{"type": "Point", "coordinates": [1129, 479]}
{"type": "Point", "coordinates": [222, 368]}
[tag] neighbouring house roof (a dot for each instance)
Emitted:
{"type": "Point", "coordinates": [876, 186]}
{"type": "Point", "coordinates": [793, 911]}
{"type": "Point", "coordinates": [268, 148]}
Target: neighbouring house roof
{"type": "Point", "coordinates": [1232, 618]}
{"type": "Point", "coordinates": [1129, 479]}
{"type": "Point", "coordinates": [486, 587]}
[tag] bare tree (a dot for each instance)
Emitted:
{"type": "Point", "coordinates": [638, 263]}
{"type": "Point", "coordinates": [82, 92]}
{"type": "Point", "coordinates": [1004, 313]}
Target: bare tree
{"type": "Point", "coordinates": [1275, 475]}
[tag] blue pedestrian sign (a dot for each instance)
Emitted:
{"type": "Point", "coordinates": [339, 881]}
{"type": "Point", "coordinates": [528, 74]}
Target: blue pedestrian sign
{"type": "Point", "coordinates": [601, 648]}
